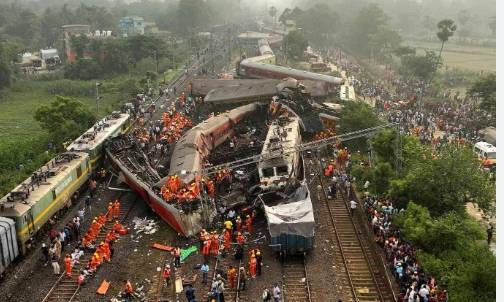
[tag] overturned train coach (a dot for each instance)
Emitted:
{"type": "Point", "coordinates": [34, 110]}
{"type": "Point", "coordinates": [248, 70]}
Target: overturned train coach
{"type": "Point", "coordinates": [186, 161]}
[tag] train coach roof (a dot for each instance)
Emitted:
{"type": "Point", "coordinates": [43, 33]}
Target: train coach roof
{"type": "Point", "coordinates": [87, 141]}
{"type": "Point", "coordinates": [59, 168]}
{"type": "Point", "coordinates": [243, 93]}
{"type": "Point", "coordinates": [204, 86]}
{"type": "Point", "coordinates": [295, 73]}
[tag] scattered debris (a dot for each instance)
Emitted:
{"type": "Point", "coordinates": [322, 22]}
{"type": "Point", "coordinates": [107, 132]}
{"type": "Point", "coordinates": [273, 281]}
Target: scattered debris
{"type": "Point", "coordinates": [147, 226]}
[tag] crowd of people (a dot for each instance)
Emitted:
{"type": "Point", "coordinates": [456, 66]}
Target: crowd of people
{"type": "Point", "coordinates": [452, 118]}
{"type": "Point", "coordinates": [414, 284]}
{"type": "Point", "coordinates": [237, 232]}
{"type": "Point", "coordinates": [88, 243]}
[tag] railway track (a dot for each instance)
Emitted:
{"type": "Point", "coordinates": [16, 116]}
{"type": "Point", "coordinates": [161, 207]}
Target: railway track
{"type": "Point", "coordinates": [165, 293]}
{"type": "Point", "coordinates": [295, 282]}
{"type": "Point", "coordinates": [366, 281]}
{"type": "Point", "coordinates": [66, 289]}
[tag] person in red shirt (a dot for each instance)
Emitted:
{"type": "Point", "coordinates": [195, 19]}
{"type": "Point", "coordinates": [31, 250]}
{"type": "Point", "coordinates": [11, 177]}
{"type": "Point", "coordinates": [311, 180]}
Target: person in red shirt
{"type": "Point", "coordinates": [167, 274]}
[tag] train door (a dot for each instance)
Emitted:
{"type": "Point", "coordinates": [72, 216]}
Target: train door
{"type": "Point", "coordinates": [30, 222]}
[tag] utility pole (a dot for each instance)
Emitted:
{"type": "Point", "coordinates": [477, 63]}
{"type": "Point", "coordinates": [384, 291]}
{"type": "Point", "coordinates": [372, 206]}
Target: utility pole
{"type": "Point", "coordinates": [98, 97]}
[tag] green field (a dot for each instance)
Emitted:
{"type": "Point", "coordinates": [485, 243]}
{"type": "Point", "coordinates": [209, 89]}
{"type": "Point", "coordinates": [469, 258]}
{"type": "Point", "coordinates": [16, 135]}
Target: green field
{"type": "Point", "coordinates": [17, 108]}
{"type": "Point", "coordinates": [473, 58]}
{"type": "Point", "coordinates": [18, 104]}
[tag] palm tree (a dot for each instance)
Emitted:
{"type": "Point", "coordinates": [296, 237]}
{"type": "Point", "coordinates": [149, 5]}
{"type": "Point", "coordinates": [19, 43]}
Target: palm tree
{"type": "Point", "coordinates": [446, 29]}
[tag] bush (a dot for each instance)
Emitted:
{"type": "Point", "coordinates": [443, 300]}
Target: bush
{"type": "Point", "coordinates": [83, 69]}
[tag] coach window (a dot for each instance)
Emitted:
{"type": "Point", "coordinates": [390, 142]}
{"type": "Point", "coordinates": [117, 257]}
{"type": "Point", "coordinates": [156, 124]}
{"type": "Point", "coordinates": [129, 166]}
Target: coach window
{"type": "Point", "coordinates": [79, 171]}
{"type": "Point", "coordinates": [268, 172]}
{"type": "Point", "coordinates": [282, 170]}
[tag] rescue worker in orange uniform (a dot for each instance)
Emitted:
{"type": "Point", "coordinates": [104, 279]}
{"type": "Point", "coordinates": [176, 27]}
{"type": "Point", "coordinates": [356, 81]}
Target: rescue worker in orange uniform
{"type": "Point", "coordinates": [117, 208]}
{"type": "Point", "coordinates": [203, 234]}
{"type": "Point", "coordinates": [210, 188]}
{"type": "Point", "coordinates": [110, 212]}
{"type": "Point", "coordinates": [68, 265]}
{"type": "Point", "coordinates": [102, 219]}
{"type": "Point", "coordinates": [250, 224]}
{"type": "Point", "coordinates": [240, 239]}
{"type": "Point", "coordinates": [227, 240]}
{"type": "Point", "coordinates": [252, 266]}
{"type": "Point", "coordinates": [117, 227]}
{"type": "Point", "coordinates": [206, 249]}
{"type": "Point", "coordinates": [231, 277]}
{"type": "Point", "coordinates": [110, 237]}
{"type": "Point", "coordinates": [238, 223]}
{"type": "Point", "coordinates": [214, 243]}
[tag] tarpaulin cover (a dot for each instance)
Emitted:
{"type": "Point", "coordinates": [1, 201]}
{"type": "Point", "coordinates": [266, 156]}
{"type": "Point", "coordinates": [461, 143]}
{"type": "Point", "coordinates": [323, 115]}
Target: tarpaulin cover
{"type": "Point", "coordinates": [292, 216]}
{"type": "Point", "coordinates": [187, 252]}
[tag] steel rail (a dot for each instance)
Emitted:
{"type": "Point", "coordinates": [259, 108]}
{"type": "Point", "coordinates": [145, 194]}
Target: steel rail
{"type": "Point", "coordinates": [361, 244]}
{"type": "Point", "coordinates": [352, 287]}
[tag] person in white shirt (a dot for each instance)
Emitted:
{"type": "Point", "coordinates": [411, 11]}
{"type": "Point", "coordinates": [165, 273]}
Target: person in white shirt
{"type": "Point", "coordinates": [353, 206]}
{"type": "Point", "coordinates": [276, 293]}
{"type": "Point", "coordinates": [424, 293]}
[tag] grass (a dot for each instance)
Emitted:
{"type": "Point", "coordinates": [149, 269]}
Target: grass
{"type": "Point", "coordinates": [17, 107]}
{"type": "Point", "coordinates": [474, 58]}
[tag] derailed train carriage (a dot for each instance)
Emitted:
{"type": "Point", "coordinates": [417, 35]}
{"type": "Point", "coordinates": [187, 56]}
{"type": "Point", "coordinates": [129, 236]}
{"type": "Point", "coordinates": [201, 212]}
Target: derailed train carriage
{"type": "Point", "coordinates": [286, 199]}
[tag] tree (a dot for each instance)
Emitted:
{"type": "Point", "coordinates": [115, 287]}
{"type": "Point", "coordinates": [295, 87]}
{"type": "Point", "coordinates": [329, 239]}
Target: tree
{"type": "Point", "coordinates": [485, 89]}
{"type": "Point", "coordinates": [445, 183]}
{"type": "Point", "coordinates": [449, 248]}
{"type": "Point", "coordinates": [192, 14]}
{"type": "Point", "coordinates": [384, 145]}
{"type": "Point", "coordinates": [446, 29]}
{"type": "Point", "coordinates": [25, 26]}
{"type": "Point", "coordinates": [319, 23]}
{"type": "Point", "coordinates": [5, 66]}
{"type": "Point", "coordinates": [295, 43]}
{"type": "Point", "coordinates": [423, 67]}
{"type": "Point", "coordinates": [286, 14]}
{"type": "Point", "coordinates": [463, 16]}
{"type": "Point", "coordinates": [404, 51]}
{"type": "Point", "coordinates": [79, 43]}
{"type": "Point", "coordinates": [357, 116]}
{"type": "Point", "coordinates": [370, 33]}
{"type": "Point", "coordinates": [64, 119]}
{"type": "Point", "coordinates": [272, 12]}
